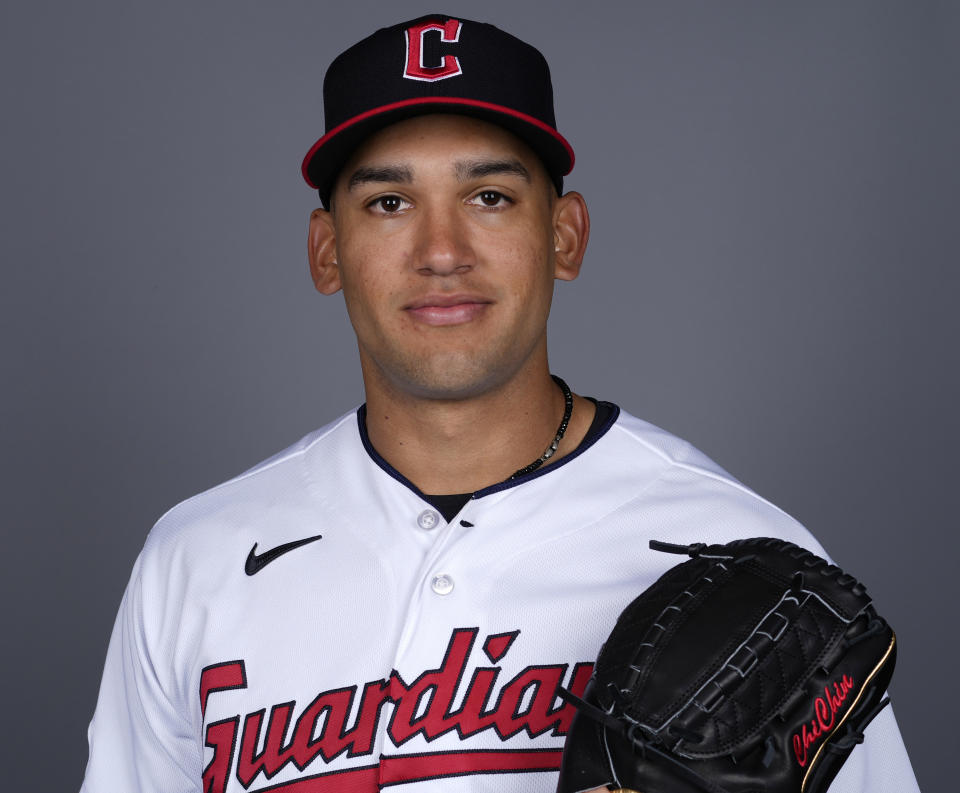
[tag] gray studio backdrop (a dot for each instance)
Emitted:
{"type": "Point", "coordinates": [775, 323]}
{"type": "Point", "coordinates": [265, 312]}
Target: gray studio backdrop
{"type": "Point", "coordinates": [772, 275]}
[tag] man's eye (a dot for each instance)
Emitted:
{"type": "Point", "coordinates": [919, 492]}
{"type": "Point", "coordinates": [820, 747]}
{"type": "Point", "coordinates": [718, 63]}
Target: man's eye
{"type": "Point", "coordinates": [388, 204]}
{"type": "Point", "coordinates": [491, 198]}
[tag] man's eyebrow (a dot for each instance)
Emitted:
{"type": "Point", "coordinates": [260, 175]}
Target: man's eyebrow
{"type": "Point", "coordinates": [380, 173]}
{"type": "Point", "coordinates": [477, 169]}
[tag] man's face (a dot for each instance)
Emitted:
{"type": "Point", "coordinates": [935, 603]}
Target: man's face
{"type": "Point", "coordinates": [444, 237]}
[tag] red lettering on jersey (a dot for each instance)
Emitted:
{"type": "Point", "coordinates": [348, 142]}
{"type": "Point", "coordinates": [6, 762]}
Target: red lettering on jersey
{"type": "Point", "coordinates": [496, 646]}
{"type": "Point", "coordinates": [333, 740]}
{"type": "Point", "coordinates": [471, 718]}
{"type": "Point", "coordinates": [415, 68]}
{"type": "Point", "coordinates": [222, 738]}
{"type": "Point", "coordinates": [221, 677]}
{"type": "Point", "coordinates": [539, 686]}
{"type": "Point", "coordinates": [421, 707]}
{"type": "Point", "coordinates": [416, 768]}
{"type": "Point", "coordinates": [825, 711]}
{"type": "Point", "coordinates": [435, 689]}
{"type": "Point", "coordinates": [274, 755]}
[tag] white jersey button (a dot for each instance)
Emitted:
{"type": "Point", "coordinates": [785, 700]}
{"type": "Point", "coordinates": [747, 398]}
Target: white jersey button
{"type": "Point", "coordinates": [428, 519]}
{"type": "Point", "coordinates": [442, 584]}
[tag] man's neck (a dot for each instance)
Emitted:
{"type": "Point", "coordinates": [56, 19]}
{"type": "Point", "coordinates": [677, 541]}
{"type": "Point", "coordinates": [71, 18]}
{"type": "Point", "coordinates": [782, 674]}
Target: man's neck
{"type": "Point", "coordinates": [464, 445]}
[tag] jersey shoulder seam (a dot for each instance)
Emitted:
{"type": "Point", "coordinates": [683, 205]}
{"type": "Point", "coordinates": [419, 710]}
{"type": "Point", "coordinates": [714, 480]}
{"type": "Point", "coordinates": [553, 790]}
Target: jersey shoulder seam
{"type": "Point", "coordinates": [676, 461]}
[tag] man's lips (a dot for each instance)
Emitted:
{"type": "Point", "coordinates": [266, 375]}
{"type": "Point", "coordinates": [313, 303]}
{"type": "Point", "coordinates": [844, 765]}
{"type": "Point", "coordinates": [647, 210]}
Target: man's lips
{"type": "Point", "coordinates": [447, 309]}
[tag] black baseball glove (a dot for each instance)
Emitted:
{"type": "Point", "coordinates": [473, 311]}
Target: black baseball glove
{"type": "Point", "coordinates": [754, 667]}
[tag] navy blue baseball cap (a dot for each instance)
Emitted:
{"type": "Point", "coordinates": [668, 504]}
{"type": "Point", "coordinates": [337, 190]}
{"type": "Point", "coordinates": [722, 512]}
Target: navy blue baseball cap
{"type": "Point", "coordinates": [436, 64]}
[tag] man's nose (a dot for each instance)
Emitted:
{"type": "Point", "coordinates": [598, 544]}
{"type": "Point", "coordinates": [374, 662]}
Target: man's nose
{"type": "Point", "coordinates": [443, 244]}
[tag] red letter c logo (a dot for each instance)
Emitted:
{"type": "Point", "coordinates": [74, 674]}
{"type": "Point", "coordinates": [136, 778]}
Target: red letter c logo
{"type": "Point", "coordinates": [449, 64]}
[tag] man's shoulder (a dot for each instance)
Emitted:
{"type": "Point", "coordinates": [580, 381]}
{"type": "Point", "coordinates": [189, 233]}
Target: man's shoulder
{"type": "Point", "coordinates": [281, 478]}
{"type": "Point", "coordinates": [640, 443]}
{"type": "Point", "coordinates": [684, 489]}
{"type": "Point", "coordinates": [651, 439]}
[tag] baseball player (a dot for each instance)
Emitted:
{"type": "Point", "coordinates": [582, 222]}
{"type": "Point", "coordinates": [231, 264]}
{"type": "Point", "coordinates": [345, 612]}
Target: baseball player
{"type": "Point", "coordinates": [395, 600]}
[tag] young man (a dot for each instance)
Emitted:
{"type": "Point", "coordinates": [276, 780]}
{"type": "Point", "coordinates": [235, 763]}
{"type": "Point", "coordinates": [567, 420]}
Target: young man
{"type": "Point", "coordinates": [394, 600]}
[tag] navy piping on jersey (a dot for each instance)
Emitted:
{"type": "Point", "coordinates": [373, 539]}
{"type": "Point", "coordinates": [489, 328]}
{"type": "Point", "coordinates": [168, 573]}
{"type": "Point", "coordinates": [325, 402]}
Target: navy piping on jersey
{"type": "Point", "coordinates": [506, 484]}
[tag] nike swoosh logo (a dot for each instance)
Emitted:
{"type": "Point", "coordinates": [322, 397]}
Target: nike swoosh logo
{"type": "Point", "coordinates": [256, 562]}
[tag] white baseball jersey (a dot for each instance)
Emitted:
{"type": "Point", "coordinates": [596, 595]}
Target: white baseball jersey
{"type": "Point", "coordinates": [315, 625]}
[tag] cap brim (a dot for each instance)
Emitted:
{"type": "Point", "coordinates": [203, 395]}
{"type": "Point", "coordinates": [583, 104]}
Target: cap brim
{"type": "Point", "coordinates": [328, 155]}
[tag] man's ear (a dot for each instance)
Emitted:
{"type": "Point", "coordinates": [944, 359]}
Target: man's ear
{"type": "Point", "coordinates": [571, 230]}
{"type": "Point", "coordinates": [322, 250]}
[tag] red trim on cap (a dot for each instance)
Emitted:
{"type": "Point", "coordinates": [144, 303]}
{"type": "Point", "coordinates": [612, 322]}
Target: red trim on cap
{"type": "Point", "coordinates": [433, 100]}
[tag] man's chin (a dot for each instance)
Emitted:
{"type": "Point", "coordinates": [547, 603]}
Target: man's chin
{"type": "Point", "coordinates": [451, 379]}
